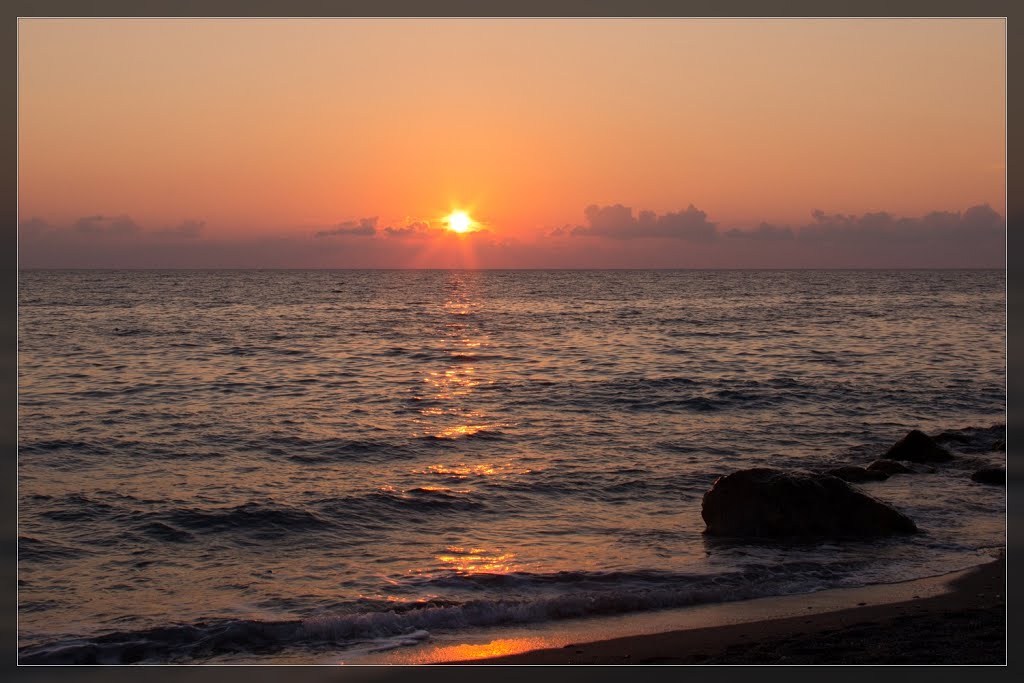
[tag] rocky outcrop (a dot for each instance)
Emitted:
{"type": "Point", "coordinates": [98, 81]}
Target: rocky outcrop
{"type": "Point", "coordinates": [990, 475]}
{"type": "Point", "coordinates": [858, 475]}
{"type": "Point", "coordinates": [764, 502]}
{"type": "Point", "coordinates": [890, 467]}
{"type": "Point", "coordinates": [917, 446]}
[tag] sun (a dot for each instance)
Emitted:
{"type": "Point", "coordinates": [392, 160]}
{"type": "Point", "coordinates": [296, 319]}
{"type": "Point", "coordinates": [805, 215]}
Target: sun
{"type": "Point", "coordinates": [460, 222]}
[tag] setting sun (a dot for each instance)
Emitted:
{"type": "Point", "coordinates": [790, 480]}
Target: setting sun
{"type": "Point", "coordinates": [460, 222]}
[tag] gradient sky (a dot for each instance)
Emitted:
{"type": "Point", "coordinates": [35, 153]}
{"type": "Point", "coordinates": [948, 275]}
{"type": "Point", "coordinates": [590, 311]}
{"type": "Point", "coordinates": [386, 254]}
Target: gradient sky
{"type": "Point", "coordinates": [574, 142]}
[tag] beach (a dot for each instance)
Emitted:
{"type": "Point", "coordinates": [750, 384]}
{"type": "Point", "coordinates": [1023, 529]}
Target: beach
{"type": "Point", "coordinates": [965, 625]}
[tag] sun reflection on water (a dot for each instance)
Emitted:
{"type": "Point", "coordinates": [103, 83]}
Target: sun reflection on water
{"type": "Point", "coordinates": [477, 560]}
{"type": "Point", "coordinates": [449, 408]}
{"type": "Point", "coordinates": [453, 386]}
{"type": "Point", "coordinates": [472, 651]}
{"type": "Point", "coordinates": [448, 384]}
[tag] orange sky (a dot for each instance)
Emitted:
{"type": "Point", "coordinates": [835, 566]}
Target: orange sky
{"type": "Point", "coordinates": [283, 128]}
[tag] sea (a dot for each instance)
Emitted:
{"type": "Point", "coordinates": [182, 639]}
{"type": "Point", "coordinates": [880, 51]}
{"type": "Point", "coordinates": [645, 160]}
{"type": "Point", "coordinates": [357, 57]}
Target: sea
{"type": "Point", "coordinates": [258, 466]}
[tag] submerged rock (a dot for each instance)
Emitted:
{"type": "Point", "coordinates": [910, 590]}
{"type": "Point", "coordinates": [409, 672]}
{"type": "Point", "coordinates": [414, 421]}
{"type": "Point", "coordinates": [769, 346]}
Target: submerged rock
{"type": "Point", "coordinates": [856, 475]}
{"type": "Point", "coordinates": [889, 467]}
{"type": "Point", "coordinates": [917, 446]}
{"type": "Point", "coordinates": [974, 439]}
{"type": "Point", "coordinates": [990, 475]}
{"type": "Point", "coordinates": [765, 502]}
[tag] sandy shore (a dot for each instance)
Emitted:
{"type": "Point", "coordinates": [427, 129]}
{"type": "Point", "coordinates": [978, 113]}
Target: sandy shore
{"type": "Point", "coordinates": [966, 625]}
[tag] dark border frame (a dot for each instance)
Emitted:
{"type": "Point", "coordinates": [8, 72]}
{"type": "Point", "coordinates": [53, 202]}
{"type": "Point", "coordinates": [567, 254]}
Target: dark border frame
{"type": "Point", "coordinates": [540, 8]}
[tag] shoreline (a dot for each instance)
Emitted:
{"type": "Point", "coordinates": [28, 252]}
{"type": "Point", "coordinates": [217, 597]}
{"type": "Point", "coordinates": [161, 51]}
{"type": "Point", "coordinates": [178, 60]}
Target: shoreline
{"type": "Point", "coordinates": [965, 623]}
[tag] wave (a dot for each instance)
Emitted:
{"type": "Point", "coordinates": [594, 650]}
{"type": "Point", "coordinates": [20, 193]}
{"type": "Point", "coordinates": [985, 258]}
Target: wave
{"type": "Point", "coordinates": [353, 515]}
{"type": "Point", "coordinates": [31, 549]}
{"type": "Point", "coordinates": [57, 445]}
{"type": "Point", "coordinates": [479, 434]}
{"type": "Point", "coordinates": [166, 532]}
{"type": "Point", "coordinates": [575, 595]}
{"type": "Point", "coordinates": [476, 357]}
{"type": "Point", "coordinates": [973, 440]}
{"type": "Point", "coordinates": [390, 505]}
{"type": "Point", "coordinates": [681, 394]}
{"type": "Point", "coordinates": [329, 450]}
{"type": "Point", "coordinates": [130, 332]}
{"type": "Point", "coordinates": [263, 517]}
{"type": "Point", "coordinates": [180, 524]}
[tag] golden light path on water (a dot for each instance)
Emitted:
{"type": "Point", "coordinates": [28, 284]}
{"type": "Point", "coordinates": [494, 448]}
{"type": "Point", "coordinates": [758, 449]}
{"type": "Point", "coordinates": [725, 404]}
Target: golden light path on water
{"type": "Point", "coordinates": [453, 387]}
{"type": "Point", "coordinates": [477, 560]}
{"type": "Point", "coordinates": [455, 384]}
{"type": "Point", "coordinates": [495, 648]}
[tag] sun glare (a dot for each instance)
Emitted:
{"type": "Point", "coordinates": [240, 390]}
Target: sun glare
{"type": "Point", "coordinates": [460, 222]}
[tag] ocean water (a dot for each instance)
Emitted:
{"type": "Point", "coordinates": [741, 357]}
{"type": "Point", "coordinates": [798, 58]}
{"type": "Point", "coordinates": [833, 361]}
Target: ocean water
{"type": "Point", "coordinates": [253, 465]}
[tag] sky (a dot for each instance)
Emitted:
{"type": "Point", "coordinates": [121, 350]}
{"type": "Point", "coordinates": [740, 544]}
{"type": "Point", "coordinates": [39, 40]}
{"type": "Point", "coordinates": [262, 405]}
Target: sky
{"type": "Point", "coordinates": [571, 143]}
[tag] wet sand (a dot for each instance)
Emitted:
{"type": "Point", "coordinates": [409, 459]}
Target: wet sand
{"type": "Point", "coordinates": [966, 625]}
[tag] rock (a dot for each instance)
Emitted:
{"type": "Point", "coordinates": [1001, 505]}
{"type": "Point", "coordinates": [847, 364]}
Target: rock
{"type": "Point", "coordinates": [917, 446]}
{"type": "Point", "coordinates": [889, 467]}
{"type": "Point", "coordinates": [858, 475]}
{"type": "Point", "coordinates": [990, 475]}
{"type": "Point", "coordinates": [974, 439]}
{"type": "Point", "coordinates": [765, 502]}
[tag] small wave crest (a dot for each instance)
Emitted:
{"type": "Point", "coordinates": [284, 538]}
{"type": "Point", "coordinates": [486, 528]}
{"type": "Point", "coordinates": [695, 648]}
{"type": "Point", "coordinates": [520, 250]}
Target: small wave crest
{"type": "Point", "coordinates": [263, 516]}
{"type": "Point", "coordinates": [569, 595]}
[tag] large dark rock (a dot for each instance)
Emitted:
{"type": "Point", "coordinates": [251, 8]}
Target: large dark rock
{"type": "Point", "coordinates": [889, 467]}
{"type": "Point", "coordinates": [857, 475]}
{"type": "Point", "coordinates": [764, 502]}
{"type": "Point", "coordinates": [917, 446]}
{"type": "Point", "coordinates": [990, 475]}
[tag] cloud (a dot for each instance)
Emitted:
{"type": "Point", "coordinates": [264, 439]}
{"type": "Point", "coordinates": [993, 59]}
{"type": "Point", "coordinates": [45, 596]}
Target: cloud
{"type": "Point", "coordinates": [111, 225]}
{"type": "Point", "coordinates": [874, 230]}
{"type": "Point", "coordinates": [100, 240]}
{"type": "Point", "coordinates": [939, 239]}
{"type": "Point", "coordinates": [764, 231]}
{"type": "Point", "coordinates": [108, 229]}
{"type": "Point", "coordinates": [364, 227]}
{"type": "Point", "coordinates": [882, 229]}
{"type": "Point", "coordinates": [616, 237]}
{"type": "Point", "coordinates": [561, 231]}
{"type": "Point", "coordinates": [608, 221]}
{"type": "Point", "coordinates": [617, 222]}
{"type": "Point", "coordinates": [414, 229]}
